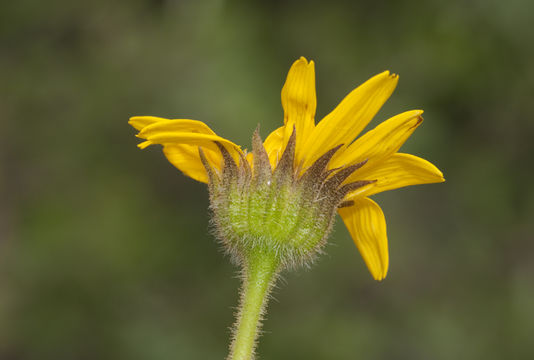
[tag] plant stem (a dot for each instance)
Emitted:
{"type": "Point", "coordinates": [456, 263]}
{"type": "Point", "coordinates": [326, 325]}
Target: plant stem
{"type": "Point", "coordinates": [260, 273]}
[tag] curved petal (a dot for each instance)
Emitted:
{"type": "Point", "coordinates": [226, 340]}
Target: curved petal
{"type": "Point", "coordinates": [401, 170]}
{"type": "Point", "coordinates": [274, 144]}
{"type": "Point", "coordinates": [181, 139]}
{"type": "Point", "coordinates": [299, 101]}
{"type": "Point", "coordinates": [175, 125]}
{"type": "Point", "coordinates": [140, 122]}
{"type": "Point", "coordinates": [144, 145]}
{"type": "Point", "coordinates": [150, 125]}
{"type": "Point", "coordinates": [379, 143]}
{"type": "Point", "coordinates": [188, 132]}
{"type": "Point", "coordinates": [203, 140]}
{"type": "Point", "coordinates": [351, 116]}
{"type": "Point", "coordinates": [367, 226]}
{"type": "Point", "coordinates": [187, 160]}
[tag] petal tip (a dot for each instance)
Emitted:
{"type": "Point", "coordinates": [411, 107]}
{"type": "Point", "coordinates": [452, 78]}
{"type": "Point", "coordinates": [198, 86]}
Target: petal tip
{"type": "Point", "coordinates": [133, 121]}
{"type": "Point", "coordinates": [389, 78]}
{"type": "Point", "coordinates": [384, 74]}
{"type": "Point", "coordinates": [302, 61]}
{"type": "Point", "coordinates": [389, 74]}
{"type": "Point", "coordinates": [144, 144]}
{"type": "Point", "coordinates": [412, 114]}
{"type": "Point", "coordinates": [380, 274]}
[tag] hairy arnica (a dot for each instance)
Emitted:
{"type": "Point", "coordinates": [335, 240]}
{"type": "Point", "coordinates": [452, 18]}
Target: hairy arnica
{"type": "Point", "coordinates": [274, 207]}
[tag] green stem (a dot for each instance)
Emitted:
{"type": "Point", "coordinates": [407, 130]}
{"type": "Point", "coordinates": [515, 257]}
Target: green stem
{"type": "Point", "coordinates": [260, 274]}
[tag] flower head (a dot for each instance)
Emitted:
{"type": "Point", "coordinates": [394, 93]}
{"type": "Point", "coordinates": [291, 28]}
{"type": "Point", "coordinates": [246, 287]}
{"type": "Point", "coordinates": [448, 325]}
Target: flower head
{"type": "Point", "coordinates": [282, 197]}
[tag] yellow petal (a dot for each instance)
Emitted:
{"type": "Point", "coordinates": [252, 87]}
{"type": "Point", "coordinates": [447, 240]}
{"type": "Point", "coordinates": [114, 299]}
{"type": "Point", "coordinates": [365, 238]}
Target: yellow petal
{"type": "Point", "coordinates": [181, 139]}
{"type": "Point", "coordinates": [350, 117]}
{"type": "Point", "coordinates": [274, 144]}
{"type": "Point", "coordinates": [401, 170]}
{"type": "Point", "coordinates": [299, 101]}
{"type": "Point", "coordinates": [367, 226]}
{"type": "Point", "coordinates": [150, 125]}
{"type": "Point", "coordinates": [203, 140]}
{"type": "Point", "coordinates": [188, 132]}
{"type": "Point", "coordinates": [140, 122]}
{"type": "Point", "coordinates": [187, 159]}
{"type": "Point", "coordinates": [379, 143]}
{"type": "Point", "coordinates": [144, 145]}
{"type": "Point", "coordinates": [175, 125]}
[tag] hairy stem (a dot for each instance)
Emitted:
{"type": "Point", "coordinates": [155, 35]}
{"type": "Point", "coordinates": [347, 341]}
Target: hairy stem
{"type": "Point", "coordinates": [260, 273]}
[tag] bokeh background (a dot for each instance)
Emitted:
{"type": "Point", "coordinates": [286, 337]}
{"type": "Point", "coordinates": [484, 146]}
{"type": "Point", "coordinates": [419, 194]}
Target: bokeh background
{"type": "Point", "coordinates": [105, 250]}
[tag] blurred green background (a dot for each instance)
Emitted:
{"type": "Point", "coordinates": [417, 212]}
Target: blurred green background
{"type": "Point", "coordinates": [105, 250]}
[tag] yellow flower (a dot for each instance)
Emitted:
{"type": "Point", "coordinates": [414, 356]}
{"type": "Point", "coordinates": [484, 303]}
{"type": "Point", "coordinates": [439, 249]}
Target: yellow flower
{"type": "Point", "coordinates": [381, 166]}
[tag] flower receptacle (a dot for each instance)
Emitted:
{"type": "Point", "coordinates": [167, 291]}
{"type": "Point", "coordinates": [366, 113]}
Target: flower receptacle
{"type": "Point", "coordinates": [279, 212]}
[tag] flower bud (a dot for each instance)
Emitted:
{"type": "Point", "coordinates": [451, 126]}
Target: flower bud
{"type": "Point", "coordinates": [281, 212]}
